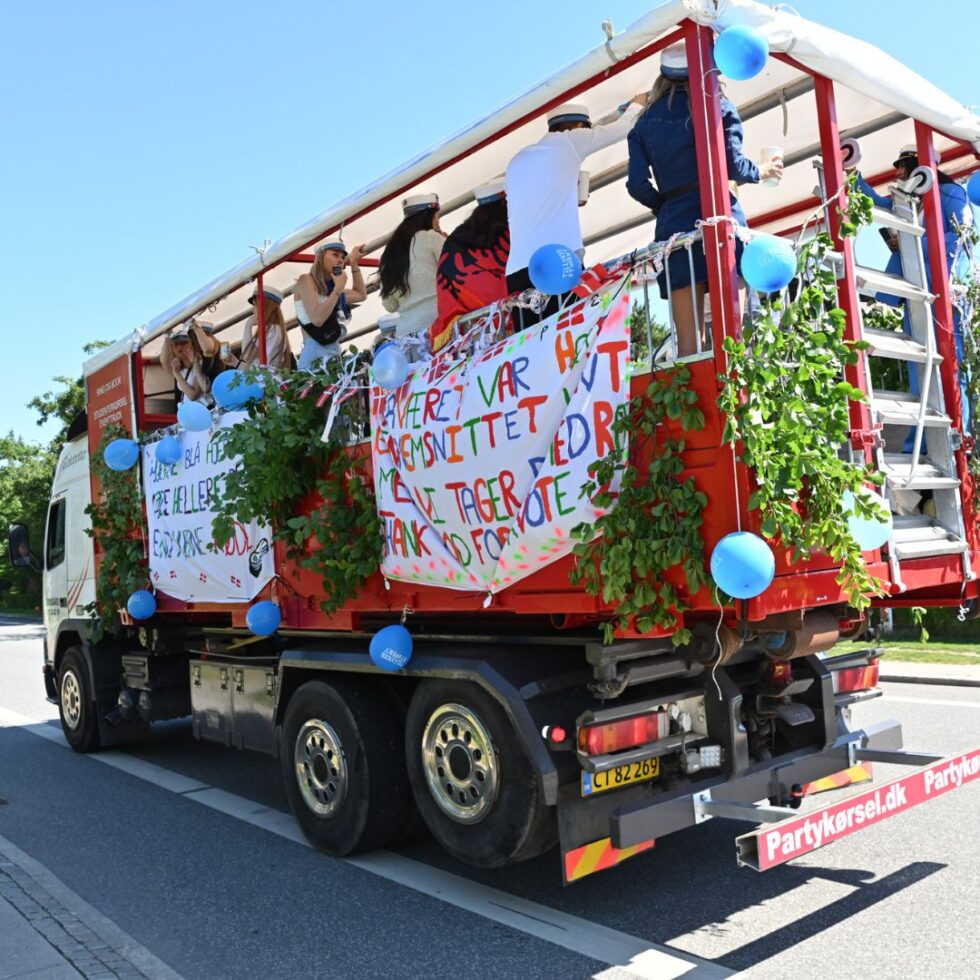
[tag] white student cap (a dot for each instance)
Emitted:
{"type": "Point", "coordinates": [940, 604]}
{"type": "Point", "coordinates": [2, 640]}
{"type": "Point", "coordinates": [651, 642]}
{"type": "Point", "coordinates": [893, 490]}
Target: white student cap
{"type": "Point", "coordinates": [273, 295]}
{"type": "Point", "coordinates": [335, 243]}
{"type": "Point", "coordinates": [673, 61]}
{"type": "Point", "coordinates": [910, 154]}
{"type": "Point", "coordinates": [420, 202]}
{"type": "Point", "coordinates": [570, 112]}
{"type": "Point", "coordinates": [491, 191]}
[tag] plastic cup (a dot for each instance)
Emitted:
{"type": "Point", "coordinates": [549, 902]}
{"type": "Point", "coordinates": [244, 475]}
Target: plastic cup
{"type": "Point", "coordinates": [771, 153]}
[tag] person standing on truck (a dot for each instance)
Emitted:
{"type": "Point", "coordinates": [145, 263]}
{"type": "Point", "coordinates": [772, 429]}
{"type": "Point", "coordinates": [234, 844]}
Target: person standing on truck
{"type": "Point", "coordinates": [408, 267]}
{"type": "Point", "coordinates": [323, 301]}
{"type": "Point", "coordinates": [472, 269]}
{"type": "Point", "coordinates": [543, 194]}
{"type": "Point", "coordinates": [181, 357]}
{"type": "Point", "coordinates": [663, 176]}
{"type": "Point", "coordinates": [277, 352]}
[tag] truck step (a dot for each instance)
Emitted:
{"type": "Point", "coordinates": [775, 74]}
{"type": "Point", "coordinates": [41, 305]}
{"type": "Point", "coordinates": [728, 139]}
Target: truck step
{"type": "Point", "coordinates": [927, 475]}
{"type": "Point", "coordinates": [902, 408]}
{"type": "Point", "coordinates": [915, 538]}
{"type": "Point", "coordinates": [871, 282]}
{"type": "Point", "coordinates": [896, 346]}
{"type": "Point", "coordinates": [888, 219]}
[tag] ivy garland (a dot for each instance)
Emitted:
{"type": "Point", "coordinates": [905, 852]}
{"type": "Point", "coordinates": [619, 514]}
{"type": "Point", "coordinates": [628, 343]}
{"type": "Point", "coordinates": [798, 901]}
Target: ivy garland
{"type": "Point", "coordinates": [118, 530]}
{"type": "Point", "coordinates": [786, 403]}
{"type": "Point", "coordinates": [654, 523]}
{"type": "Point", "coordinates": [283, 462]}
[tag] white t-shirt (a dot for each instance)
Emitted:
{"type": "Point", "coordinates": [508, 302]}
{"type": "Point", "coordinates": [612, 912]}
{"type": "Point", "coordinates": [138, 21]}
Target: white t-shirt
{"type": "Point", "coordinates": [273, 342]}
{"type": "Point", "coordinates": [417, 308]}
{"type": "Point", "coordinates": [542, 187]}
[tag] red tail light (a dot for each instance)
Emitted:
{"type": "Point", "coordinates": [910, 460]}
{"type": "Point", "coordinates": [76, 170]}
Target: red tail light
{"type": "Point", "coordinates": [613, 736]}
{"type": "Point", "coordinates": [851, 679]}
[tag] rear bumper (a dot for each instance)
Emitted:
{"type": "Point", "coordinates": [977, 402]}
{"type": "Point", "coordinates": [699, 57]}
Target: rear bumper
{"type": "Point", "coordinates": [797, 835]}
{"type": "Point", "coordinates": [633, 824]}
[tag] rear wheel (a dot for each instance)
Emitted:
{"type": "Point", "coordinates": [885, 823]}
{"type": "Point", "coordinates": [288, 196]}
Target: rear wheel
{"type": "Point", "coordinates": [76, 703]}
{"type": "Point", "coordinates": [343, 766]}
{"type": "Point", "coordinates": [473, 783]}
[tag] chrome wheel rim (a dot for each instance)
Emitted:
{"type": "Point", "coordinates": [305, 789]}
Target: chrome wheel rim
{"type": "Point", "coordinates": [71, 699]}
{"type": "Point", "coordinates": [321, 769]}
{"type": "Point", "coordinates": [460, 763]}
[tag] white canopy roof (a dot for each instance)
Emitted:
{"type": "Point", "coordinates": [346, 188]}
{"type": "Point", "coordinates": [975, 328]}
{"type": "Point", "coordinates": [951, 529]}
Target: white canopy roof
{"type": "Point", "coordinates": [877, 98]}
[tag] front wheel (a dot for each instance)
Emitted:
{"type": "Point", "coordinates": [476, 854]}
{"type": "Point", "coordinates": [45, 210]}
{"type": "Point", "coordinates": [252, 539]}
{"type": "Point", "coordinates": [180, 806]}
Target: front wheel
{"type": "Point", "coordinates": [76, 702]}
{"type": "Point", "coordinates": [473, 783]}
{"type": "Point", "coordinates": [343, 767]}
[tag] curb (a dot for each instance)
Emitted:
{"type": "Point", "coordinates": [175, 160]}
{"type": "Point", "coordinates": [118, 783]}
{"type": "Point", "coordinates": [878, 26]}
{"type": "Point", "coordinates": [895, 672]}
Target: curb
{"type": "Point", "coordinates": [941, 681]}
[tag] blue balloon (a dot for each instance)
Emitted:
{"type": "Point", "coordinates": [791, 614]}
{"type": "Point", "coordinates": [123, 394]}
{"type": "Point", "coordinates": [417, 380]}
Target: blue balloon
{"type": "Point", "coordinates": [869, 533]}
{"type": "Point", "coordinates": [973, 188]}
{"type": "Point", "coordinates": [141, 604]}
{"type": "Point", "coordinates": [742, 565]}
{"type": "Point", "coordinates": [768, 263]}
{"type": "Point", "coordinates": [554, 269]}
{"type": "Point", "coordinates": [230, 389]}
{"type": "Point", "coordinates": [390, 366]}
{"type": "Point", "coordinates": [168, 450]}
{"type": "Point", "coordinates": [263, 618]}
{"type": "Point", "coordinates": [391, 647]}
{"type": "Point", "coordinates": [741, 52]}
{"type": "Point", "coordinates": [121, 454]}
{"type": "Point", "coordinates": [193, 416]}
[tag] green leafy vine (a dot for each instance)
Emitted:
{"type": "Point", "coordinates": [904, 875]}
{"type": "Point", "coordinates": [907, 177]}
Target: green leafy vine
{"type": "Point", "coordinates": [118, 531]}
{"type": "Point", "coordinates": [787, 406]}
{"type": "Point", "coordinates": [652, 524]}
{"type": "Point", "coordinates": [285, 465]}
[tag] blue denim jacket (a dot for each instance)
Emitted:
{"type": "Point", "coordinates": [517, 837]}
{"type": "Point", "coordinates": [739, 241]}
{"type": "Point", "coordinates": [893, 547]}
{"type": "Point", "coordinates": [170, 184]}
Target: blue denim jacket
{"type": "Point", "coordinates": [661, 145]}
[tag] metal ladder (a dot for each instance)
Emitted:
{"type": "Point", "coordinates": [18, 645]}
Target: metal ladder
{"type": "Point", "coordinates": [931, 464]}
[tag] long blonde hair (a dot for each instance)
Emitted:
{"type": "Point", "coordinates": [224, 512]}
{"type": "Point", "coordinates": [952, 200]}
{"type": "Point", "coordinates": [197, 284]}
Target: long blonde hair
{"type": "Point", "coordinates": [319, 272]}
{"type": "Point", "coordinates": [274, 322]}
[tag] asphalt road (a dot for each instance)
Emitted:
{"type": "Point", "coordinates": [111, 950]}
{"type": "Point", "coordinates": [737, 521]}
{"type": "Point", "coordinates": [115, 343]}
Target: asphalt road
{"type": "Point", "coordinates": [216, 884]}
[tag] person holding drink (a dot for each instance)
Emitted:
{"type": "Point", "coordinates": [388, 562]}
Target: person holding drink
{"type": "Point", "coordinates": [663, 176]}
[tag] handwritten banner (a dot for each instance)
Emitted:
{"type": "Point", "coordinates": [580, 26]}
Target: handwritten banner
{"type": "Point", "coordinates": [478, 465]}
{"type": "Point", "coordinates": [180, 503]}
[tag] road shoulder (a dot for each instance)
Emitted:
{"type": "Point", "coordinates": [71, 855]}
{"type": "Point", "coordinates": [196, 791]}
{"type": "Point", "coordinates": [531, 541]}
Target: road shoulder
{"type": "Point", "coordinates": [49, 932]}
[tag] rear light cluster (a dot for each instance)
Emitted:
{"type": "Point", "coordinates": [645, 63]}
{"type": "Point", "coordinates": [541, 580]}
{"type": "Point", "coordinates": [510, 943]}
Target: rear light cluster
{"type": "Point", "coordinates": [614, 736]}
{"type": "Point", "coordinates": [847, 680]}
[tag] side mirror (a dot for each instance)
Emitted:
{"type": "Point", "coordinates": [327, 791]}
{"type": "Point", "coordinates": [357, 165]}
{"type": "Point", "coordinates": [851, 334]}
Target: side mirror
{"type": "Point", "coordinates": [19, 542]}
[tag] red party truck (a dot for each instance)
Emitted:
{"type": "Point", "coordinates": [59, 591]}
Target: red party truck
{"type": "Point", "coordinates": [453, 650]}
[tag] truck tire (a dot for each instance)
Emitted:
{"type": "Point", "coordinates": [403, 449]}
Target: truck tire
{"type": "Point", "coordinates": [343, 766]}
{"type": "Point", "coordinates": [76, 704]}
{"type": "Point", "coordinates": [472, 780]}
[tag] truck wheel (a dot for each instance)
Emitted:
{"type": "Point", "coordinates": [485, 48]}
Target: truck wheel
{"type": "Point", "coordinates": [473, 783]}
{"type": "Point", "coordinates": [76, 705]}
{"type": "Point", "coordinates": [344, 769]}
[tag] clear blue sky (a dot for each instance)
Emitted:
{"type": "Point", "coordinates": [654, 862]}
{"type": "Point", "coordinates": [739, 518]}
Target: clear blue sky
{"type": "Point", "coordinates": [146, 145]}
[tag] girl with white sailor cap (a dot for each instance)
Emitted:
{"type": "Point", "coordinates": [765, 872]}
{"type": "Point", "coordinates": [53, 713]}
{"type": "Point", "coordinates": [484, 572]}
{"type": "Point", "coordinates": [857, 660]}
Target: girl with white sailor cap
{"type": "Point", "coordinates": [407, 270]}
{"type": "Point", "coordinates": [473, 266]}
{"type": "Point", "coordinates": [323, 301]}
{"type": "Point", "coordinates": [663, 175]}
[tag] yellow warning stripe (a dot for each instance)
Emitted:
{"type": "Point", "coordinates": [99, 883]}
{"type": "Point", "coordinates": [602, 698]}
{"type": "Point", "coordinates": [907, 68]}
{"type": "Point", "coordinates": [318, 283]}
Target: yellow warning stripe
{"type": "Point", "coordinates": [838, 780]}
{"type": "Point", "coordinates": [598, 856]}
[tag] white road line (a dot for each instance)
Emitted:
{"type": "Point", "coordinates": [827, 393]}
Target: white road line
{"type": "Point", "coordinates": [637, 957]}
{"type": "Point", "coordinates": [946, 703]}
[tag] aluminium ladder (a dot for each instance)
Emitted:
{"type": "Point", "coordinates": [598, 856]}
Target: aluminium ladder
{"type": "Point", "coordinates": [917, 449]}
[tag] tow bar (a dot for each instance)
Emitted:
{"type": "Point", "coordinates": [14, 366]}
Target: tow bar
{"type": "Point", "coordinates": [791, 834]}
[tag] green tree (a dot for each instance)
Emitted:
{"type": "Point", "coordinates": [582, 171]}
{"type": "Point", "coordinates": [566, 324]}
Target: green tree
{"type": "Point", "coordinates": [659, 332]}
{"type": "Point", "coordinates": [25, 483]}
{"type": "Point", "coordinates": [26, 472]}
{"type": "Point", "coordinates": [64, 403]}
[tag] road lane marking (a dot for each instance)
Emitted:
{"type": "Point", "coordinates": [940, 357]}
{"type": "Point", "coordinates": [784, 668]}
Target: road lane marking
{"type": "Point", "coordinates": [631, 954]}
{"type": "Point", "coordinates": [946, 703]}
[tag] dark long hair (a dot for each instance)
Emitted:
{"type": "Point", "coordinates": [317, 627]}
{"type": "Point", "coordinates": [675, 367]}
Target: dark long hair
{"type": "Point", "coordinates": [484, 228]}
{"type": "Point", "coordinates": [393, 269]}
